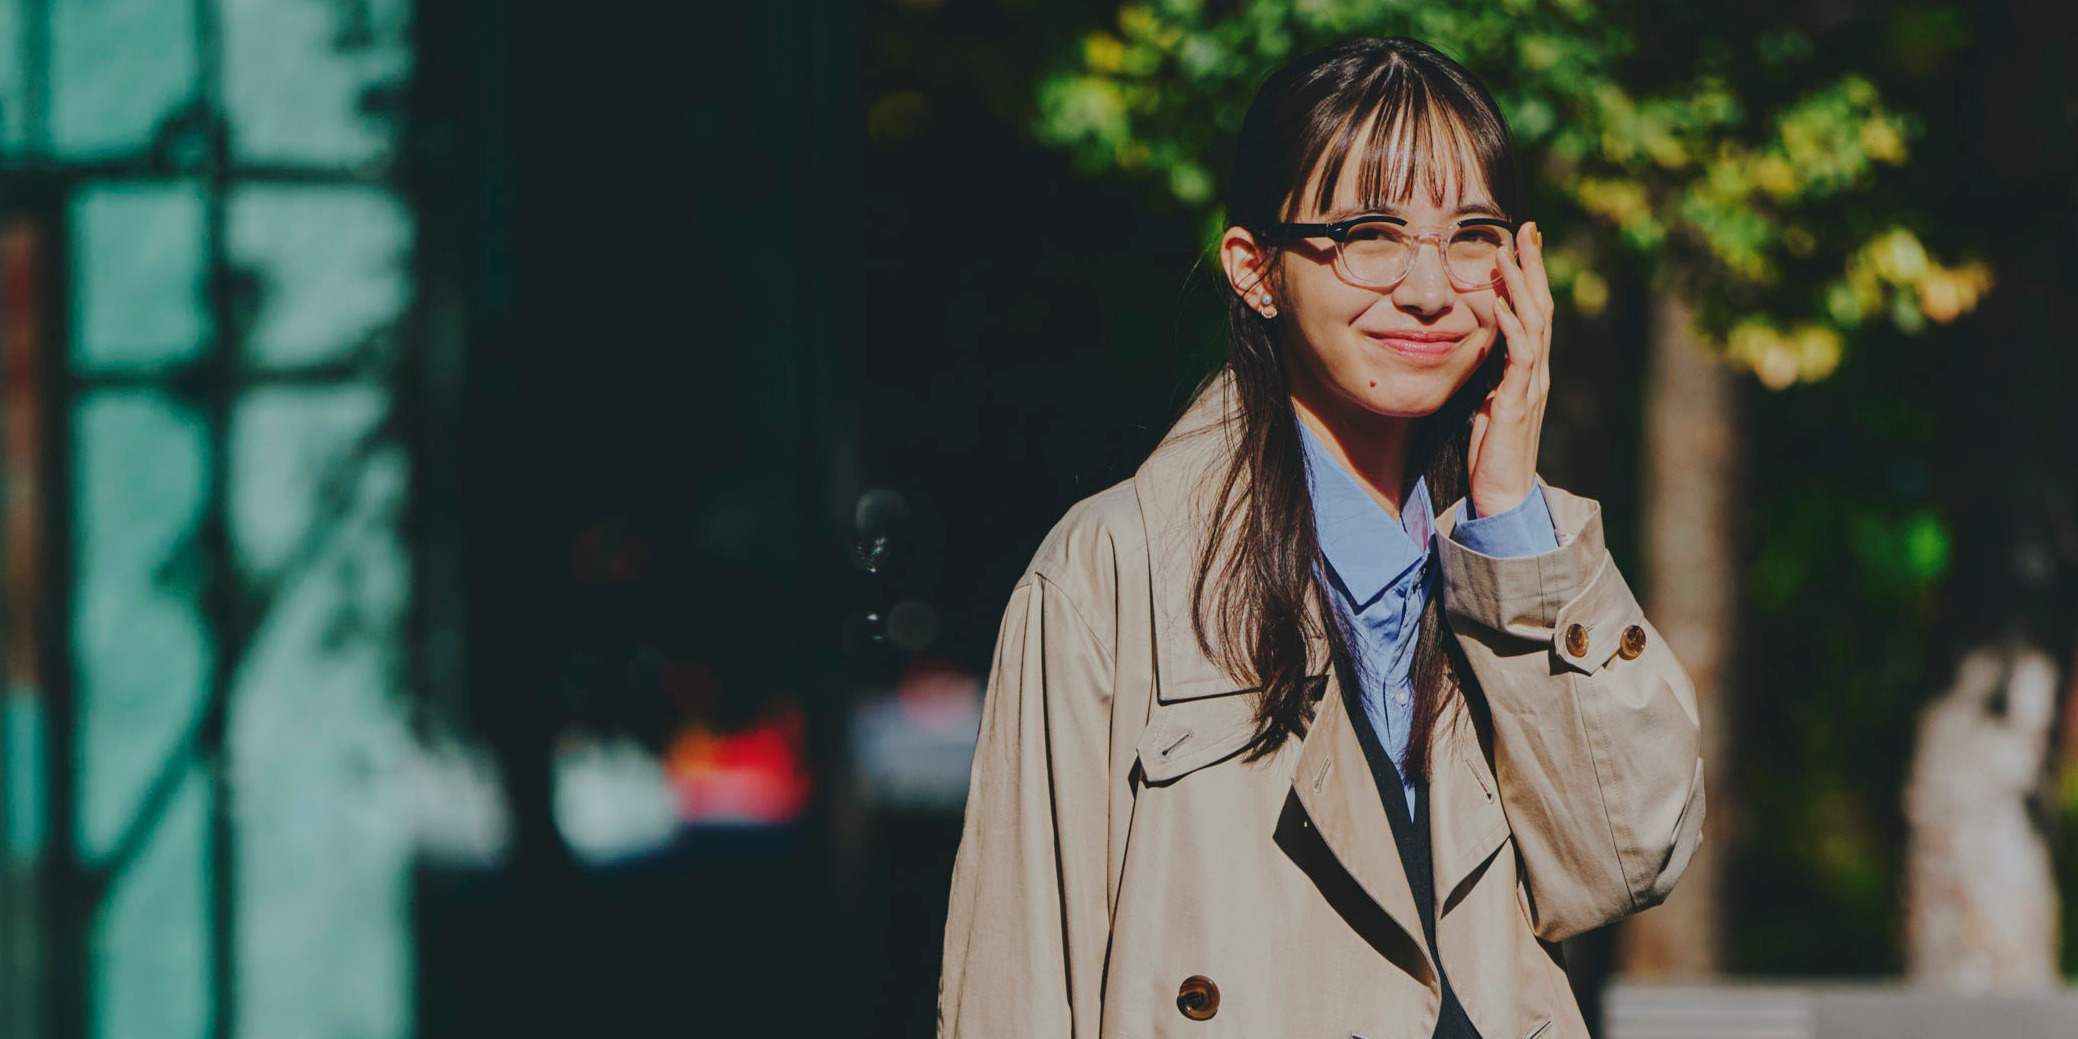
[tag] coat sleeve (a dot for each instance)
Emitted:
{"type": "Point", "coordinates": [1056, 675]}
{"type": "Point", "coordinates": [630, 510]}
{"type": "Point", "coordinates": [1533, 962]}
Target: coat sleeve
{"type": "Point", "coordinates": [1595, 735]}
{"type": "Point", "coordinates": [1028, 922]}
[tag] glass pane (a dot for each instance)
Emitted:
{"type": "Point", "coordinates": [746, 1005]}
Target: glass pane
{"type": "Point", "coordinates": [149, 952]}
{"type": "Point", "coordinates": [296, 75]}
{"type": "Point", "coordinates": [142, 657]}
{"type": "Point", "coordinates": [12, 85]}
{"type": "Point", "coordinates": [142, 643]}
{"type": "Point", "coordinates": [318, 739]}
{"type": "Point", "coordinates": [331, 268]}
{"type": "Point", "coordinates": [288, 444]}
{"type": "Point", "coordinates": [139, 270]}
{"type": "Point", "coordinates": [118, 68]}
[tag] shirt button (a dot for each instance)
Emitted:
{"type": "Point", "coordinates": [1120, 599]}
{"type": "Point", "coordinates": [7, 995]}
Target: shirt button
{"type": "Point", "coordinates": [1400, 697]}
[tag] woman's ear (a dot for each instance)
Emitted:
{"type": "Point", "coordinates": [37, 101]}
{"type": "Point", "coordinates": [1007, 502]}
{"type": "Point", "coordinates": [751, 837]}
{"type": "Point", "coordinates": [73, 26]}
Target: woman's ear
{"type": "Point", "coordinates": [1247, 269]}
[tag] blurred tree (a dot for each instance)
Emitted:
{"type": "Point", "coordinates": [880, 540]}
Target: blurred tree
{"type": "Point", "coordinates": [1737, 180]}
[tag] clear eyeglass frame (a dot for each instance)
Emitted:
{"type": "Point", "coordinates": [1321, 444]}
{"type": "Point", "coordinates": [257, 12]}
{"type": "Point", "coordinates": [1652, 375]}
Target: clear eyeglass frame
{"type": "Point", "coordinates": [1364, 273]}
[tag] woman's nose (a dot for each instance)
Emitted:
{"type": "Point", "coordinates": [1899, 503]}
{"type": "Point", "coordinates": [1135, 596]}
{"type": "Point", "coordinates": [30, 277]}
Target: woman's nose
{"type": "Point", "coordinates": [1426, 288]}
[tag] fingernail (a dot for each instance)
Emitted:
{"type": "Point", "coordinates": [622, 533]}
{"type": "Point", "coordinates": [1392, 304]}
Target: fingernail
{"type": "Point", "coordinates": [1536, 236]}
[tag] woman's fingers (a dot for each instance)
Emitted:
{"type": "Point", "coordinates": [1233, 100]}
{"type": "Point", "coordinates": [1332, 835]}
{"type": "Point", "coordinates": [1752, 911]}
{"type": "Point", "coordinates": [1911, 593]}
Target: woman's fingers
{"type": "Point", "coordinates": [1522, 345]}
{"type": "Point", "coordinates": [1519, 379]}
{"type": "Point", "coordinates": [1507, 427]}
{"type": "Point", "coordinates": [1522, 298]}
{"type": "Point", "coordinates": [1538, 276]}
{"type": "Point", "coordinates": [1530, 315]}
{"type": "Point", "coordinates": [1530, 246]}
{"type": "Point", "coordinates": [1482, 420]}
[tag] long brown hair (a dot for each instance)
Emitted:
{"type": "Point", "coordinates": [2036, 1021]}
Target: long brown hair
{"type": "Point", "coordinates": [1259, 596]}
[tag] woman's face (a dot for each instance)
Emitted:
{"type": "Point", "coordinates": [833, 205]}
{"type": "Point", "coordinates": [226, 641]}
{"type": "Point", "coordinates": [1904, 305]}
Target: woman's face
{"type": "Point", "coordinates": [1398, 351]}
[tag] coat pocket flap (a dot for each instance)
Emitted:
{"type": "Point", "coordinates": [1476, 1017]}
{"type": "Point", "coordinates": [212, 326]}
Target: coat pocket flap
{"type": "Point", "coordinates": [1198, 687]}
{"type": "Point", "coordinates": [1191, 734]}
{"type": "Point", "coordinates": [1603, 611]}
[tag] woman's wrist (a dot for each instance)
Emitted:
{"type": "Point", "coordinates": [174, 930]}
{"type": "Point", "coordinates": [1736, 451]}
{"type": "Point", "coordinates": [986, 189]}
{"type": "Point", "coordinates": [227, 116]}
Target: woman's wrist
{"type": "Point", "coordinates": [1487, 502]}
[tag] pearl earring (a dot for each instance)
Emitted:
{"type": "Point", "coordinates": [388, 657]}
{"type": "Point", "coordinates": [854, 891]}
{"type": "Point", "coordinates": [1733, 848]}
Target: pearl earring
{"type": "Point", "coordinates": [1269, 308]}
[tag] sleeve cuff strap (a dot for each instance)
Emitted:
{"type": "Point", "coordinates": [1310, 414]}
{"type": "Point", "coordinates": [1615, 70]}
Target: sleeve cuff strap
{"type": "Point", "coordinates": [1537, 598]}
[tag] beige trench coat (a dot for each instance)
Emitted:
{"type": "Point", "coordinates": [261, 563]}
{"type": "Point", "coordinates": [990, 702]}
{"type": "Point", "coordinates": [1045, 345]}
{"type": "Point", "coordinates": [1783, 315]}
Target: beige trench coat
{"type": "Point", "coordinates": [1116, 844]}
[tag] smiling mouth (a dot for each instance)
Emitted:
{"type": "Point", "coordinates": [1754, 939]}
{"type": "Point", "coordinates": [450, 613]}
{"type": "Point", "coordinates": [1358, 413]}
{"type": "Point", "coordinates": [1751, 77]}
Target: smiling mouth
{"type": "Point", "coordinates": [1418, 344]}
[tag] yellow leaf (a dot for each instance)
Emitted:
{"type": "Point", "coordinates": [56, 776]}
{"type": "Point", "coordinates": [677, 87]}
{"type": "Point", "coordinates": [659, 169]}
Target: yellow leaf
{"type": "Point", "coordinates": [1104, 52]}
{"type": "Point", "coordinates": [1775, 176]}
{"type": "Point", "coordinates": [1941, 296]}
{"type": "Point", "coordinates": [1668, 152]}
{"type": "Point", "coordinates": [1818, 352]}
{"type": "Point", "coordinates": [1899, 257]}
{"type": "Point", "coordinates": [1590, 293]}
{"type": "Point", "coordinates": [1777, 366]}
{"type": "Point", "coordinates": [1881, 141]}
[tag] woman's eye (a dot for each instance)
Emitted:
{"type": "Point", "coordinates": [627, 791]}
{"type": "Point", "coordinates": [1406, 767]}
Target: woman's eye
{"type": "Point", "coordinates": [1373, 233]}
{"type": "Point", "coordinates": [1478, 236]}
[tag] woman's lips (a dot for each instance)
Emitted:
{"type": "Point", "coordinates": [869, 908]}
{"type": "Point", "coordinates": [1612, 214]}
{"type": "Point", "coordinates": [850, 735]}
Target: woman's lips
{"type": "Point", "coordinates": [1418, 344]}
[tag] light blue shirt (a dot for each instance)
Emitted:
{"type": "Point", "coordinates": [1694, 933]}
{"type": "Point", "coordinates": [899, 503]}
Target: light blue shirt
{"type": "Point", "coordinates": [1382, 572]}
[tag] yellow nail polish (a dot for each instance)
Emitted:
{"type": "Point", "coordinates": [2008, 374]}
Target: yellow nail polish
{"type": "Point", "coordinates": [1536, 236]}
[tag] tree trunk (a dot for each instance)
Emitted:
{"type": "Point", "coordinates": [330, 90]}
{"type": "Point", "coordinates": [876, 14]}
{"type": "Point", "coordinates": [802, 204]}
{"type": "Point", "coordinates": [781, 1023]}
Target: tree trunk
{"type": "Point", "coordinates": [1981, 905]}
{"type": "Point", "coordinates": [1692, 436]}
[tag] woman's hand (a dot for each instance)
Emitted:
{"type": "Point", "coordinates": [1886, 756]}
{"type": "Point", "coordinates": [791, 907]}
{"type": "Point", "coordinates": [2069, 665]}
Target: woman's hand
{"type": "Point", "coordinates": [1510, 421]}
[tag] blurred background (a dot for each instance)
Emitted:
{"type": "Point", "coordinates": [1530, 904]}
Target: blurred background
{"type": "Point", "coordinates": [507, 506]}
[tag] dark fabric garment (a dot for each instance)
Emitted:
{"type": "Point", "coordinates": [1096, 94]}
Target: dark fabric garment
{"type": "Point", "coordinates": [1411, 835]}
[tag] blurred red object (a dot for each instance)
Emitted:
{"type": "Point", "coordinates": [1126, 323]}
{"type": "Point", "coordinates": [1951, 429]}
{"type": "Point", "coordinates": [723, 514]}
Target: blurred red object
{"type": "Point", "coordinates": [755, 777]}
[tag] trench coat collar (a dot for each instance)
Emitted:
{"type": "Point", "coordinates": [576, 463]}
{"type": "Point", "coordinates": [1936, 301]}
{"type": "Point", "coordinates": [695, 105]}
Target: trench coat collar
{"type": "Point", "coordinates": [1177, 488]}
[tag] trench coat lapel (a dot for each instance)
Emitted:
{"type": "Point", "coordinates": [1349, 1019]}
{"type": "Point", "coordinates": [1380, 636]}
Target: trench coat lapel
{"type": "Point", "coordinates": [1177, 489]}
{"type": "Point", "coordinates": [1466, 821]}
{"type": "Point", "coordinates": [1333, 782]}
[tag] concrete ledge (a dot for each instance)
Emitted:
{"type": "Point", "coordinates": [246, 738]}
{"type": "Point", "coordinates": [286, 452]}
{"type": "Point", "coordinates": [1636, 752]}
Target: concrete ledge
{"type": "Point", "coordinates": [1844, 1010]}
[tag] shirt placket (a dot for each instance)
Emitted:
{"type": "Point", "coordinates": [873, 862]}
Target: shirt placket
{"type": "Point", "coordinates": [1410, 594]}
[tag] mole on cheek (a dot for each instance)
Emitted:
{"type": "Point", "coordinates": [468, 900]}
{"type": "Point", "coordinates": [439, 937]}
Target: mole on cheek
{"type": "Point", "coordinates": [1374, 384]}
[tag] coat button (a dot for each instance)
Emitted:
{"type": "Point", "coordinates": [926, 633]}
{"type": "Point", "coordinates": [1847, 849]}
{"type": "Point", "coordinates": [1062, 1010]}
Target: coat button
{"type": "Point", "coordinates": [1198, 998]}
{"type": "Point", "coordinates": [1633, 643]}
{"type": "Point", "coordinates": [1576, 640]}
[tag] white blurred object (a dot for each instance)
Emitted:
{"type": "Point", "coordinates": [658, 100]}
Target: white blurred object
{"type": "Point", "coordinates": [915, 749]}
{"type": "Point", "coordinates": [458, 811]}
{"type": "Point", "coordinates": [1981, 905]}
{"type": "Point", "coordinates": [613, 800]}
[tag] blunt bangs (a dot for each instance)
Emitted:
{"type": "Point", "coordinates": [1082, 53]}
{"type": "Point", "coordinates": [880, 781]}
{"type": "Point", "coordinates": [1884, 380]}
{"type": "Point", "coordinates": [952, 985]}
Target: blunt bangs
{"type": "Point", "coordinates": [1410, 129]}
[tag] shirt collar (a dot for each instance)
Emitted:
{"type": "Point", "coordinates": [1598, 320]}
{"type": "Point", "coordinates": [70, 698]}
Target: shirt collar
{"type": "Point", "coordinates": [1366, 550]}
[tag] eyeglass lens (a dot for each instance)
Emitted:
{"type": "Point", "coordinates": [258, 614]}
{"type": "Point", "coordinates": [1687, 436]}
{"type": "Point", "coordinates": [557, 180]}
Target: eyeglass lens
{"type": "Point", "coordinates": [1383, 253]}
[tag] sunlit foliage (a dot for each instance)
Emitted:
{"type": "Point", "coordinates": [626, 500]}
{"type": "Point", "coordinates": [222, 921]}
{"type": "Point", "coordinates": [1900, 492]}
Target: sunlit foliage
{"type": "Point", "coordinates": [1741, 204]}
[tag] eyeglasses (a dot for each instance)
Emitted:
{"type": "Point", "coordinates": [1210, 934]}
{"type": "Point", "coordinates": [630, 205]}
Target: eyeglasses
{"type": "Point", "coordinates": [1376, 252]}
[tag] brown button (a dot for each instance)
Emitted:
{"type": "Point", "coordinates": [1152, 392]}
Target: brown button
{"type": "Point", "coordinates": [1576, 640]}
{"type": "Point", "coordinates": [1633, 643]}
{"type": "Point", "coordinates": [1198, 998]}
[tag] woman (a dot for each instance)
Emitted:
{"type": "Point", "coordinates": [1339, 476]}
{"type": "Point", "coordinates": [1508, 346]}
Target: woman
{"type": "Point", "coordinates": [1270, 747]}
